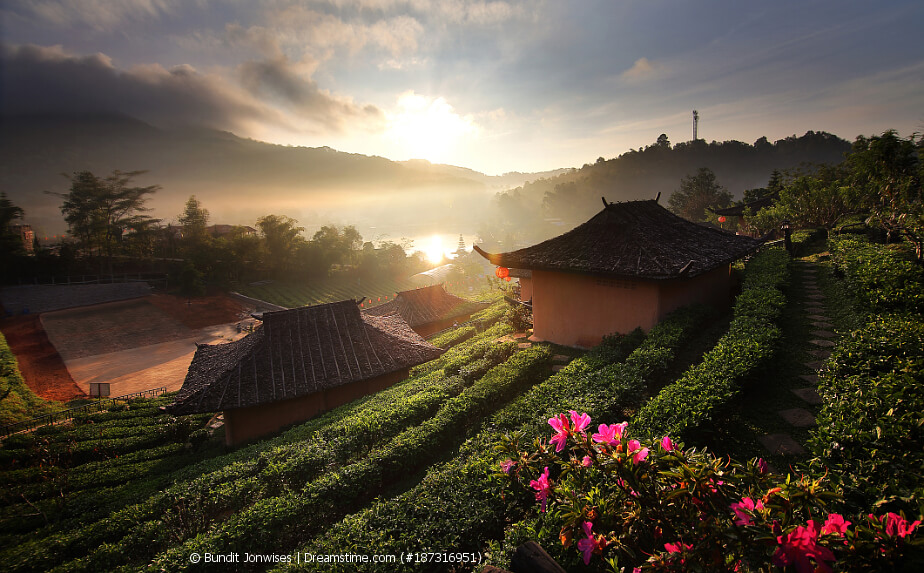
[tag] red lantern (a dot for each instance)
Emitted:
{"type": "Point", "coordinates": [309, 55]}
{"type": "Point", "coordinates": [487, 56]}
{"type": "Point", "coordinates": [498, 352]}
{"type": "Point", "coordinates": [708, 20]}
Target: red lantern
{"type": "Point", "coordinates": [502, 272]}
{"type": "Point", "coordinates": [722, 219]}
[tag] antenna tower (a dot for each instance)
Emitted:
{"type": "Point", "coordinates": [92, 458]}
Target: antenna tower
{"type": "Point", "coordinates": [695, 123]}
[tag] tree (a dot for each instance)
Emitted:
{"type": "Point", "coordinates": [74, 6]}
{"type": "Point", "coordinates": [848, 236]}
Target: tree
{"type": "Point", "coordinates": [10, 242]}
{"type": "Point", "coordinates": [663, 141]}
{"type": "Point", "coordinates": [98, 211]}
{"type": "Point", "coordinates": [282, 237]}
{"type": "Point", "coordinates": [697, 193]}
{"type": "Point", "coordinates": [194, 220]}
{"type": "Point", "coordinates": [885, 178]}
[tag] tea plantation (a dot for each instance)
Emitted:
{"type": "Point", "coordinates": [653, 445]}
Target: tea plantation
{"type": "Point", "coordinates": [414, 471]}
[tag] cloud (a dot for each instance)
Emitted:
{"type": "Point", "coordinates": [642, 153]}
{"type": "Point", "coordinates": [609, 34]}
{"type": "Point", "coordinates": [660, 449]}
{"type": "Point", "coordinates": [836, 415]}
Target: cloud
{"type": "Point", "coordinates": [290, 86]}
{"type": "Point", "coordinates": [100, 15]}
{"type": "Point", "coordinates": [642, 69]}
{"type": "Point", "coordinates": [48, 80]}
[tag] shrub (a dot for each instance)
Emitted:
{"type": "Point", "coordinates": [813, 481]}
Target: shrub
{"type": "Point", "coordinates": [870, 430]}
{"type": "Point", "coordinates": [882, 277]}
{"type": "Point", "coordinates": [614, 502]}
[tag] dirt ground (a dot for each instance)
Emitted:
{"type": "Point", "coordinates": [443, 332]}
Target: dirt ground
{"type": "Point", "coordinates": [41, 366]}
{"type": "Point", "coordinates": [170, 319]}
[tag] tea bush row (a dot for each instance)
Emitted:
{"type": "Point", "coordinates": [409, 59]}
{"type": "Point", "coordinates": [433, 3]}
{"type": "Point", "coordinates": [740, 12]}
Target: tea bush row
{"type": "Point", "coordinates": [751, 339]}
{"type": "Point", "coordinates": [884, 278]}
{"type": "Point", "coordinates": [454, 336]}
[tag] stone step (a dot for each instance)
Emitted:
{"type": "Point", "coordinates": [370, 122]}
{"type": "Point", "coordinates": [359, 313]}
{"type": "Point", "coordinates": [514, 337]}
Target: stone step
{"type": "Point", "coordinates": [561, 358]}
{"type": "Point", "coordinates": [524, 345]}
{"type": "Point", "coordinates": [798, 417]}
{"type": "Point", "coordinates": [816, 365]}
{"type": "Point", "coordinates": [810, 395]}
{"type": "Point", "coordinates": [820, 354]}
{"type": "Point", "coordinates": [822, 324]}
{"type": "Point", "coordinates": [818, 297]}
{"type": "Point", "coordinates": [822, 343]}
{"type": "Point", "coordinates": [781, 444]}
{"type": "Point", "coordinates": [817, 316]}
{"type": "Point", "coordinates": [823, 333]}
{"type": "Point", "coordinates": [557, 367]}
{"type": "Point", "coordinates": [810, 378]}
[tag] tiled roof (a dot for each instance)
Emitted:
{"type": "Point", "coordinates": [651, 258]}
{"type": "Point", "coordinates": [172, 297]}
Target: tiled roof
{"type": "Point", "coordinates": [426, 305]}
{"type": "Point", "coordinates": [297, 352]}
{"type": "Point", "coordinates": [635, 239]}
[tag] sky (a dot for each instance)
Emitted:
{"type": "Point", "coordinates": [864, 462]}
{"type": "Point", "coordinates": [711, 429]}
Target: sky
{"type": "Point", "coordinates": [495, 86]}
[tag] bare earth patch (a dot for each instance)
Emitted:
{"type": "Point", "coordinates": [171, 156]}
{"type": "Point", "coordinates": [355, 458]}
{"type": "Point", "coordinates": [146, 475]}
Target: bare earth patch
{"type": "Point", "coordinates": [133, 345]}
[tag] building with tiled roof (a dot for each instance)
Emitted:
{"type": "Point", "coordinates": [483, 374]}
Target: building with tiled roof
{"type": "Point", "coordinates": [298, 363]}
{"type": "Point", "coordinates": [428, 309]}
{"type": "Point", "coordinates": [627, 267]}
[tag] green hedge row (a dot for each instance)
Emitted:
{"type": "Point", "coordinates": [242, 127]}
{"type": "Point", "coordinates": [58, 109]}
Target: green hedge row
{"type": "Point", "coordinates": [870, 433]}
{"type": "Point", "coordinates": [883, 278]}
{"type": "Point", "coordinates": [458, 504]}
{"type": "Point", "coordinates": [282, 522]}
{"type": "Point", "coordinates": [454, 336]}
{"type": "Point", "coordinates": [751, 339]}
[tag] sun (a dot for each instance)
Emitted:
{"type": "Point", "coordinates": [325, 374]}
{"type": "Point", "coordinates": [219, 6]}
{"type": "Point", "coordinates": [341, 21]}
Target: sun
{"type": "Point", "coordinates": [434, 252]}
{"type": "Point", "coordinates": [426, 128]}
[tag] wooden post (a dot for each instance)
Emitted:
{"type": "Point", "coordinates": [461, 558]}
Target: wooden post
{"type": "Point", "coordinates": [532, 558]}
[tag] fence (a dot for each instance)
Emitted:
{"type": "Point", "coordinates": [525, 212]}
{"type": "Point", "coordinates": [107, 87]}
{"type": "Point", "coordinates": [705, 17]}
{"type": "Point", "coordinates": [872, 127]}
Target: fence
{"type": "Point", "coordinates": [154, 279]}
{"type": "Point", "coordinates": [70, 413]}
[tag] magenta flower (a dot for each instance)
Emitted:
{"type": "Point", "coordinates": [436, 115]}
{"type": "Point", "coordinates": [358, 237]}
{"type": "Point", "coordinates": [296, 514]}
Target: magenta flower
{"type": "Point", "coordinates": [542, 487]}
{"type": "Point", "coordinates": [898, 526]}
{"type": "Point", "coordinates": [666, 444]}
{"type": "Point", "coordinates": [638, 452]}
{"type": "Point", "coordinates": [580, 422]}
{"type": "Point", "coordinates": [762, 465]}
{"type": "Point", "coordinates": [587, 462]}
{"type": "Point", "coordinates": [677, 547]}
{"type": "Point", "coordinates": [835, 524]}
{"type": "Point", "coordinates": [747, 504]}
{"type": "Point", "coordinates": [561, 425]}
{"type": "Point", "coordinates": [587, 545]}
{"type": "Point", "coordinates": [507, 465]}
{"type": "Point", "coordinates": [799, 547]}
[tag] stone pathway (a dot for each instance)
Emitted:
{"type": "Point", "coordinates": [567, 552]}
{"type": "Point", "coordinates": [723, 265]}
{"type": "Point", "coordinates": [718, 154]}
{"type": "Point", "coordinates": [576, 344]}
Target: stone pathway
{"type": "Point", "coordinates": [822, 340]}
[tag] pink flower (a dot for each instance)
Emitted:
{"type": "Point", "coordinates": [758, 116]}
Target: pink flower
{"type": "Point", "coordinates": [666, 444]}
{"type": "Point", "coordinates": [507, 465]}
{"type": "Point", "coordinates": [677, 547]}
{"type": "Point", "coordinates": [897, 526]}
{"type": "Point", "coordinates": [610, 434]}
{"type": "Point", "coordinates": [580, 422]}
{"type": "Point", "coordinates": [562, 427]}
{"type": "Point", "coordinates": [799, 546]}
{"type": "Point", "coordinates": [587, 462]}
{"type": "Point", "coordinates": [587, 545]}
{"type": "Point", "coordinates": [762, 465]}
{"type": "Point", "coordinates": [542, 487]}
{"type": "Point", "coordinates": [835, 524]}
{"type": "Point", "coordinates": [640, 453]}
{"type": "Point", "coordinates": [746, 505]}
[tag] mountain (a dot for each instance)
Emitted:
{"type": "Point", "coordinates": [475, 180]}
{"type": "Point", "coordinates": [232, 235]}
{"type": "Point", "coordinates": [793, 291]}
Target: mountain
{"type": "Point", "coordinates": [237, 179]}
{"type": "Point", "coordinates": [656, 170]}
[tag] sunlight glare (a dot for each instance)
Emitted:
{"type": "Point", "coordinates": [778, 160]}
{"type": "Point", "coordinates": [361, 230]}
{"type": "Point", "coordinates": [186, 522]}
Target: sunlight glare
{"type": "Point", "coordinates": [435, 251]}
{"type": "Point", "coordinates": [428, 128]}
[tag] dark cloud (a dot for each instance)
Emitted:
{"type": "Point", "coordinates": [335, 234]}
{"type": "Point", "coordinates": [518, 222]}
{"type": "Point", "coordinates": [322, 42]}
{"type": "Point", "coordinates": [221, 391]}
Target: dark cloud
{"type": "Point", "coordinates": [43, 80]}
{"type": "Point", "coordinates": [289, 85]}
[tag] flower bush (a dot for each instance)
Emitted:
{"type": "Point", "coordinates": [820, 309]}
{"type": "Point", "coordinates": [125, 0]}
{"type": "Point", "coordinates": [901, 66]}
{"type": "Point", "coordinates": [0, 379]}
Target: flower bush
{"type": "Point", "coordinates": [639, 506]}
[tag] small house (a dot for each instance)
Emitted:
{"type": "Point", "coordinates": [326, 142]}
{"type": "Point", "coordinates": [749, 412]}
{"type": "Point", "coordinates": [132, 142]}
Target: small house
{"type": "Point", "coordinates": [429, 309]}
{"type": "Point", "coordinates": [299, 363]}
{"type": "Point", "coordinates": [627, 267]}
